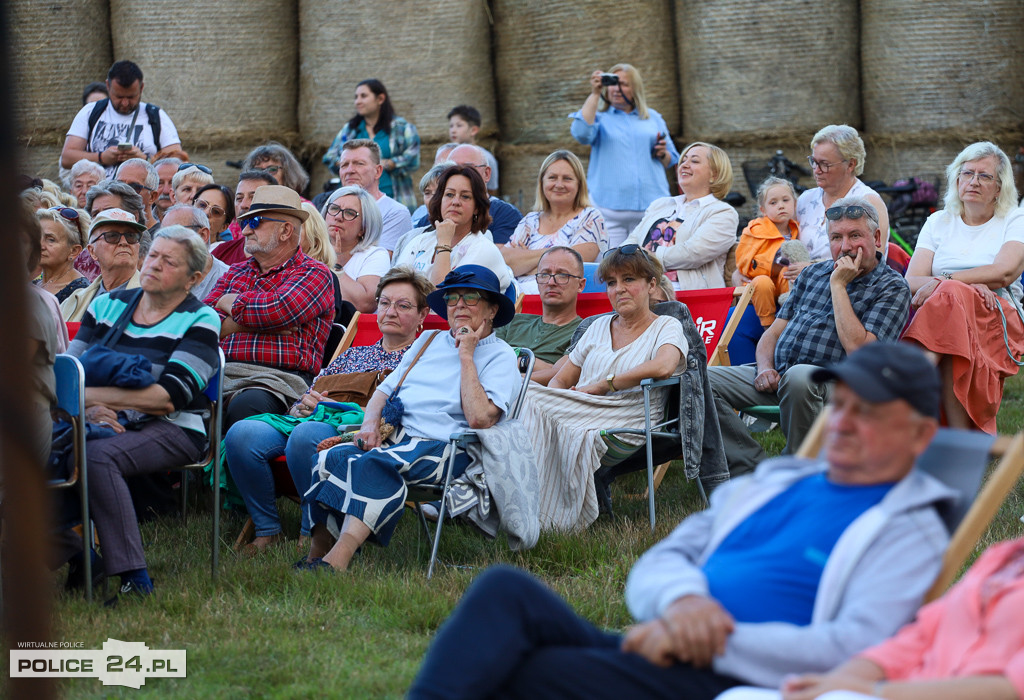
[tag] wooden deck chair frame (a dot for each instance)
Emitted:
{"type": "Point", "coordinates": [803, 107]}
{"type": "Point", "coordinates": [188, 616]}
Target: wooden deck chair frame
{"type": "Point", "coordinates": [346, 340]}
{"type": "Point", "coordinates": [428, 493]}
{"type": "Point", "coordinates": [215, 393]}
{"type": "Point", "coordinates": [720, 357]}
{"type": "Point", "coordinates": [993, 492]}
{"type": "Point", "coordinates": [70, 377]}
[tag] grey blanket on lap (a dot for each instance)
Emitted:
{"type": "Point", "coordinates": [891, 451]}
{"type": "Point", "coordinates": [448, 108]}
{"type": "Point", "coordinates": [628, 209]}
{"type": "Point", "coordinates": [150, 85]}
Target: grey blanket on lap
{"type": "Point", "coordinates": [499, 491]}
{"type": "Point", "coordinates": [285, 385]}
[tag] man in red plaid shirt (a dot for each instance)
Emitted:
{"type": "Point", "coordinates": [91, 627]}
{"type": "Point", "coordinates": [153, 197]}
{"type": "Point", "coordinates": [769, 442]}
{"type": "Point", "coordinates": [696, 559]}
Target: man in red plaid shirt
{"type": "Point", "coordinates": [276, 309]}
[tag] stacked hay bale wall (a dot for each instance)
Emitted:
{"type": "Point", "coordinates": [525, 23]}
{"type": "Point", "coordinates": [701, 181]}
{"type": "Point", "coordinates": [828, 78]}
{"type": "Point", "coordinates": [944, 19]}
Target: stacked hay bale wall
{"type": "Point", "coordinates": [56, 50]}
{"type": "Point", "coordinates": [544, 54]}
{"type": "Point", "coordinates": [432, 57]}
{"type": "Point", "coordinates": [227, 75]}
{"type": "Point", "coordinates": [934, 84]}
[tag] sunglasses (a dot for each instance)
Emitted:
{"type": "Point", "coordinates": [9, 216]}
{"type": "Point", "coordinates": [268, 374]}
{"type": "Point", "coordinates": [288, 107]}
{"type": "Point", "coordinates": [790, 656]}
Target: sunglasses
{"type": "Point", "coordinates": [137, 187]}
{"type": "Point", "coordinates": [202, 168]}
{"type": "Point", "coordinates": [854, 211]}
{"type": "Point", "coordinates": [631, 249]}
{"type": "Point", "coordinates": [471, 298]}
{"type": "Point", "coordinates": [112, 237]}
{"type": "Point", "coordinates": [66, 213]}
{"type": "Point", "coordinates": [272, 169]}
{"type": "Point", "coordinates": [346, 214]}
{"type": "Point", "coordinates": [213, 208]}
{"type": "Point", "coordinates": [254, 222]}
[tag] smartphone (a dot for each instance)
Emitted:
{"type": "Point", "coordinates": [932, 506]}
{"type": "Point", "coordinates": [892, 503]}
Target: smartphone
{"type": "Point", "coordinates": [124, 147]}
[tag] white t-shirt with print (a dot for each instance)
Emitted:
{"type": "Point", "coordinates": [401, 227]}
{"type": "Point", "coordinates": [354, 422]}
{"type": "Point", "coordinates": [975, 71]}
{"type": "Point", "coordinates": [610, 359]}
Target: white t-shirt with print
{"type": "Point", "coordinates": [112, 129]}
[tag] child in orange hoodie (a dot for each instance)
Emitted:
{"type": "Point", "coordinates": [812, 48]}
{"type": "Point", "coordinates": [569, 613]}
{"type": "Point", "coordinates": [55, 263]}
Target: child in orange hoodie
{"type": "Point", "coordinates": [758, 260]}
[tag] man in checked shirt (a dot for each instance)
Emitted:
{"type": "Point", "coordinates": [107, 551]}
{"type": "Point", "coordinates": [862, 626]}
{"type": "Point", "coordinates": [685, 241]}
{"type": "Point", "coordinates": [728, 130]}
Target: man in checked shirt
{"type": "Point", "coordinates": [276, 310]}
{"type": "Point", "coordinates": [834, 307]}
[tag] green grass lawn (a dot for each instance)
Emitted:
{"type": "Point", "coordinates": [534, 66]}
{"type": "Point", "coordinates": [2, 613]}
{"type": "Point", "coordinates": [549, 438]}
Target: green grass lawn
{"type": "Point", "coordinates": [263, 631]}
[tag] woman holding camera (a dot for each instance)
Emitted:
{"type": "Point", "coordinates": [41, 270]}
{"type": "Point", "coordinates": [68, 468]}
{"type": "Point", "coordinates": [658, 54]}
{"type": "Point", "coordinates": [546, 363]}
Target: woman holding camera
{"type": "Point", "coordinates": [629, 142]}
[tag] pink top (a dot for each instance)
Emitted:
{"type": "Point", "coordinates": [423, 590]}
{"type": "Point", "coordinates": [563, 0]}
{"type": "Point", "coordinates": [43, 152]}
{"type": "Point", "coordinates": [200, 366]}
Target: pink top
{"type": "Point", "coordinates": [975, 629]}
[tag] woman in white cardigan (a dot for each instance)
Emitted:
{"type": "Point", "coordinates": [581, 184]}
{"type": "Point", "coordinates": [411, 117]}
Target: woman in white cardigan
{"type": "Point", "coordinates": [691, 234]}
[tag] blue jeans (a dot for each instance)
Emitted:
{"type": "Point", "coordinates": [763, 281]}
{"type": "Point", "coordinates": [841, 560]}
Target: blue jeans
{"type": "Point", "coordinates": [250, 445]}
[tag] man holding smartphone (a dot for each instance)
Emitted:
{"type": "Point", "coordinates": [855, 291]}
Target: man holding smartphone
{"type": "Point", "coordinates": [120, 127]}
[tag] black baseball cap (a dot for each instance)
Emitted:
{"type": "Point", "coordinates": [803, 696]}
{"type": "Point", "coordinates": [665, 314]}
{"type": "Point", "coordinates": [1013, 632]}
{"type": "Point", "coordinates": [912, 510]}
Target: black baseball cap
{"type": "Point", "coordinates": [881, 371]}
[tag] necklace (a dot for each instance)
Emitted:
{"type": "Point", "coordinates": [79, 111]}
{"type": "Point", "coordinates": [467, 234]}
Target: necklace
{"type": "Point", "coordinates": [384, 346]}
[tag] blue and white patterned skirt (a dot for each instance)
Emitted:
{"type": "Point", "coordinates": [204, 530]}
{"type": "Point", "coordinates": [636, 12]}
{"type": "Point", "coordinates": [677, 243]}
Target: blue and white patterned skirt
{"type": "Point", "coordinates": [371, 485]}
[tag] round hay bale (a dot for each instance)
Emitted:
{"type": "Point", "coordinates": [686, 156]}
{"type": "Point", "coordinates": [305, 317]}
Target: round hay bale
{"type": "Point", "coordinates": [56, 50]}
{"type": "Point", "coordinates": [39, 161]}
{"type": "Point", "coordinates": [224, 73]}
{"type": "Point", "coordinates": [773, 68]}
{"type": "Point", "coordinates": [956, 71]}
{"type": "Point", "coordinates": [545, 52]}
{"type": "Point", "coordinates": [892, 158]}
{"type": "Point", "coordinates": [431, 58]}
{"type": "Point", "coordinates": [216, 159]}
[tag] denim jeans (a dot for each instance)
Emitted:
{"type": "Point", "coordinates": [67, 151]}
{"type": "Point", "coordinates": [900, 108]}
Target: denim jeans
{"type": "Point", "coordinates": [250, 445]}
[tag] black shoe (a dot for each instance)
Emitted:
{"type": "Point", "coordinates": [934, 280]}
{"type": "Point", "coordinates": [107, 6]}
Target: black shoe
{"type": "Point", "coordinates": [129, 591]}
{"type": "Point", "coordinates": [76, 573]}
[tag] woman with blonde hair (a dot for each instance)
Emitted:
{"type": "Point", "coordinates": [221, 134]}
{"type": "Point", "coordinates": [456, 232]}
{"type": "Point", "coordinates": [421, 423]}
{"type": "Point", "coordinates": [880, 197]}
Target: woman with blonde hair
{"type": "Point", "coordinates": [629, 142]}
{"type": "Point", "coordinates": [561, 216]}
{"type": "Point", "coordinates": [965, 277]}
{"type": "Point", "coordinates": [63, 235]}
{"type": "Point", "coordinates": [691, 234]}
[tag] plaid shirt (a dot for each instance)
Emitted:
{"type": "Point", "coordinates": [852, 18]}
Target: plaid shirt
{"type": "Point", "coordinates": [881, 300]}
{"type": "Point", "coordinates": [296, 294]}
{"type": "Point", "coordinates": [405, 153]}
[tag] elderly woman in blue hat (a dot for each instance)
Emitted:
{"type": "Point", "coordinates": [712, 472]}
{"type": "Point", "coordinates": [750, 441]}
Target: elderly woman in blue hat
{"type": "Point", "coordinates": [447, 382]}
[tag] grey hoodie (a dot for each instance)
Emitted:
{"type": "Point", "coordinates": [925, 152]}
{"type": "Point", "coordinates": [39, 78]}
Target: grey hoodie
{"type": "Point", "coordinates": [873, 582]}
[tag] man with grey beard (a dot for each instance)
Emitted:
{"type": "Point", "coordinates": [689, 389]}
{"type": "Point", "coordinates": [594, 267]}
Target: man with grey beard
{"type": "Point", "coordinates": [834, 307]}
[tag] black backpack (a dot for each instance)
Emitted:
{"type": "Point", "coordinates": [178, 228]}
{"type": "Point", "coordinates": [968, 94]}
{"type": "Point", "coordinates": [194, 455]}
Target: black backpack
{"type": "Point", "coordinates": [152, 112]}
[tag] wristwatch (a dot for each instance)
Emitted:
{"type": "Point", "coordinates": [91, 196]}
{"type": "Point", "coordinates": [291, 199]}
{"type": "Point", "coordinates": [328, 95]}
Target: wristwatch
{"type": "Point", "coordinates": [610, 378]}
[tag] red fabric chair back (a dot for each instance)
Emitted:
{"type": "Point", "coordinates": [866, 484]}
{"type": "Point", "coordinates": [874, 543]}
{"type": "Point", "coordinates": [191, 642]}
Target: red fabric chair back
{"type": "Point", "coordinates": [73, 327]}
{"type": "Point", "coordinates": [368, 333]}
{"type": "Point", "coordinates": [709, 308]}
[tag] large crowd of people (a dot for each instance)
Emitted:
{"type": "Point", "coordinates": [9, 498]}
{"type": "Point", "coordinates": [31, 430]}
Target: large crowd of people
{"type": "Point", "coordinates": [798, 565]}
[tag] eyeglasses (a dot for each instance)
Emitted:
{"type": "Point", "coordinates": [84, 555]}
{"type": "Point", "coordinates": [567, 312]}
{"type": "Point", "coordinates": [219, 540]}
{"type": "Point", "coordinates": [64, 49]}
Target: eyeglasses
{"type": "Point", "coordinates": [214, 209]}
{"type": "Point", "coordinates": [346, 214]}
{"type": "Point", "coordinates": [822, 165]}
{"type": "Point", "coordinates": [560, 278]}
{"type": "Point", "coordinates": [66, 213]}
{"type": "Point", "coordinates": [984, 178]}
{"type": "Point", "coordinates": [254, 222]}
{"type": "Point", "coordinates": [113, 237]}
{"type": "Point", "coordinates": [400, 306]}
{"type": "Point", "coordinates": [471, 298]}
{"type": "Point", "coordinates": [854, 211]}
{"type": "Point", "coordinates": [138, 187]}
{"type": "Point", "coordinates": [272, 169]}
{"type": "Point", "coordinates": [202, 168]}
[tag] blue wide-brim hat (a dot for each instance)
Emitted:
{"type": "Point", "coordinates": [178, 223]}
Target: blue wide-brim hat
{"type": "Point", "coordinates": [475, 277]}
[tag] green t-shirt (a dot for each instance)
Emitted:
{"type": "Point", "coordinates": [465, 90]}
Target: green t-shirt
{"type": "Point", "coordinates": [547, 340]}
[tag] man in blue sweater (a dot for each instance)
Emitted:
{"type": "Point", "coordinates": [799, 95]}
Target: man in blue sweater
{"type": "Point", "coordinates": [795, 567]}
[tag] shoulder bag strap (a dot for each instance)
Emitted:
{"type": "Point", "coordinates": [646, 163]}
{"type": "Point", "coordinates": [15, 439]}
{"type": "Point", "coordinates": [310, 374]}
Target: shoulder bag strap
{"type": "Point", "coordinates": [114, 334]}
{"type": "Point", "coordinates": [414, 361]}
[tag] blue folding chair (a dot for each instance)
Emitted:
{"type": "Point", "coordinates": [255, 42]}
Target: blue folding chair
{"type": "Point", "coordinates": [71, 399]}
{"type": "Point", "coordinates": [593, 283]}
